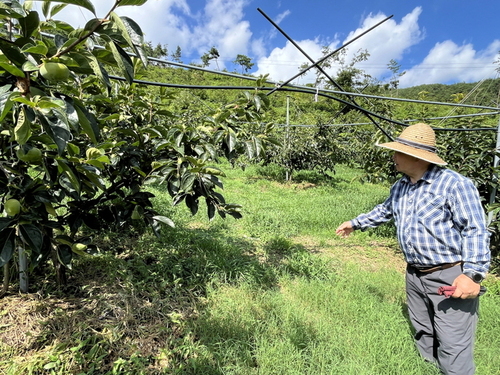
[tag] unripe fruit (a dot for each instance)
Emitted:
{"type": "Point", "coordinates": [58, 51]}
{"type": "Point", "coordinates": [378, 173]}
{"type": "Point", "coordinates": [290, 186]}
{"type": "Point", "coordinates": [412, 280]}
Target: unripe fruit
{"type": "Point", "coordinates": [53, 71]}
{"type": "Point", "coordinates": [34, 155]}
{"type": "Point", "coordinates": [12, 207]}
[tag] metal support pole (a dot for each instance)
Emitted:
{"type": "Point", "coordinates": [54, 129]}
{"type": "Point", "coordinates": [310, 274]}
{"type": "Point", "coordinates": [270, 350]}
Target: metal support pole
{"type": "Point", "coordinates": [494, 177]}
{"type": "Point", "coordinates": [287, 136]}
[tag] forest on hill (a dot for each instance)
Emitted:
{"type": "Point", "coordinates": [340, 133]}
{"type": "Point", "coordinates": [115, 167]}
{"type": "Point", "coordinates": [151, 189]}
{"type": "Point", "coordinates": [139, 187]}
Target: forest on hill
{"type": "Point", "coordinates": [485, 93]}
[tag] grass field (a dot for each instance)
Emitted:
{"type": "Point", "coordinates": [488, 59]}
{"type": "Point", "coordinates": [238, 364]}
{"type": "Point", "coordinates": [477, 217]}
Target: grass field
{"type": "Point", "coordinates": [275, 292]}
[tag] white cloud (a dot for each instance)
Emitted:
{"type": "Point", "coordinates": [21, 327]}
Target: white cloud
{"type": "Point", "coordinates": [283, 63]}
{"type": "Point", "coordinates": [258, 47]}
{"type": "Point", "coordinates": [230, 34]}
{"type": "Point", "coordinates": [448, 62]}
{"type": "Point", "coordinates": [274, 33]}
{"type": "Point", "coordinates": [282, 16]}
{"type": "Point", "coordinates": [386, 42]}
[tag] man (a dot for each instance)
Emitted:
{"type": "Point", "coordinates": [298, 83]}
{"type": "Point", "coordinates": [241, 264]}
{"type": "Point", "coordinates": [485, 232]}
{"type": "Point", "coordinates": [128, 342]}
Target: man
{"type": "Point", "coordinates": [442, 232]}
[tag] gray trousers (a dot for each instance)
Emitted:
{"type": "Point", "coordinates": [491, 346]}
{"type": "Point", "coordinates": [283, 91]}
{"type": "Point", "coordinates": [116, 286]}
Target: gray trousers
{"type": "Point", "coordinates": [444, 327]}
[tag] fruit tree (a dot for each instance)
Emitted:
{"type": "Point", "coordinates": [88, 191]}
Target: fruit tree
{"type": "Point", "coordinates": [77, 147]}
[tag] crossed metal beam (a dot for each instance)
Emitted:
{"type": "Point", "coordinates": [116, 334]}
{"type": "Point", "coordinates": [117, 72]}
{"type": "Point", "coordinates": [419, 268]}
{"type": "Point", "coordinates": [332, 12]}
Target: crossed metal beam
{"type": "Point", "coordinates": [318, 66]}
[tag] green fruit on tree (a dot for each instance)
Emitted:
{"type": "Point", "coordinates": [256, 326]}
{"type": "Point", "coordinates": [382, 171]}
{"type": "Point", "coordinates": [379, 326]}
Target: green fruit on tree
{"type": "Point", "coordinates": [12, 207]}
{"type": "Point", "coordinates": [34, 155]}
{"type": "Point", "coordinates": [54, 71]}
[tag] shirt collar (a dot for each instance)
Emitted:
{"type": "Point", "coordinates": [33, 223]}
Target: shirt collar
{"type": "Point", "coordinates": [430, 175]}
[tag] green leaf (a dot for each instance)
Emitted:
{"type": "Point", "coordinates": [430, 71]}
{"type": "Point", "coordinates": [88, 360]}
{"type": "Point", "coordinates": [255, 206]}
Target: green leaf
{"type": "Point", "coordinates": [7, 244]}
{"type": "Point", "coordinates": [6, 102]}
{"type": "Point", "coordinates": [123, 3]}
{"type": "Point", "coordinates": [136, 37]}
{"type": "Point", "coordinates": [22, 131]}
{"type": "Point", "coordinates": [56, 126]}
{"type": "Point", "coordinates": [99, 71]}
{"type": "Point", "coordinates": [81, 3]}
{"type": "Point", "coordinates": [95, 179]}
{"type": "Point", "coordinates": [40, 48]}
{"type": "Point", "coordinates": [65, 255]}
{"type": "Point", "coordinates": [257, 103]}
{"type": "Point", "coordinates": [32, 236]}
{"type": "Point", "coordinates": [29, 24]}
{"type": "Point", "coordinates": [213, 171]}
{"type": "Point", "coordinates": [87, 122]}
{"type": "Point", "coordinates": [12, 9]}
{"type": "Point", "coordinates": [5, 222]}
{"type": "Point", "coordinates": [46, 8]}
{"type": "Point", "coordinates": [66, 43]}
{"type": "Point", "coordinates": [164, 220]}
{"type": "Point", "coordinates": [211, 209]}
{"type": "Point", "coordinates": [231, 140]}
{"type": "Point", "coordinates": [187, 182]}
{"type": "Point", "coordinates": [49, 103]}
{"type": "Point", "coordinates": [129, 30]}
{"type": "Point", "coordinates": [139, 171]}
{"type": "Point", "coordinates": [73, 179]}
{"type": "Point", "coordinates": [192, 204]}
{"type": "Point", "coordinates": [250, 149]}
{"type": "Point", "coordinates": [12, 69]}
{"type": "Point", "coordinates": [12, 53]}
{"type": "Point", "coordinates": [211, 179]}
{"type": "Point", "coordinates": [56, 9]}
{"type": "Point", "coordinates": [211, 150]}
{"type": "Point", "coordinates": [29, 66]}
{"type": "Point", "coordinates": [23, 100]}
{"type": "Point", "coordinates": [93, 24]}
{"type": "Point", "coordinates": [258, 145]}
{"type": "Point", "coordinates": [78, 62]}
{"type": "Point", "coordinates": [123, 60]}
{"type": "Point", "coordinates": [71, 113]}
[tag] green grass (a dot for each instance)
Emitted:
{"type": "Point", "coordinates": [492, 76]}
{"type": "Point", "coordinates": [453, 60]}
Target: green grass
{"type": "Point", "coordinates": [288, 210]}
{"type": "Point", "coordinates": [275, 292]}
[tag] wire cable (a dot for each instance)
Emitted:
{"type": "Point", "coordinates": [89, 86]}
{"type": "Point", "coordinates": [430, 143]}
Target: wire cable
{"type": "Point", "coordinates": [289, 89]}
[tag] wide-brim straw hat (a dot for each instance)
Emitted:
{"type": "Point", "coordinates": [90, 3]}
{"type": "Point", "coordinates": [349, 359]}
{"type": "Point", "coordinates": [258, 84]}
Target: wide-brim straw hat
{"type": "Point", "coordinates": [418, 141]}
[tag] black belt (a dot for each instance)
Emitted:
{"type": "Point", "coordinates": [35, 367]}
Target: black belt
{"type": "Point", "coordinates": [439, 267]}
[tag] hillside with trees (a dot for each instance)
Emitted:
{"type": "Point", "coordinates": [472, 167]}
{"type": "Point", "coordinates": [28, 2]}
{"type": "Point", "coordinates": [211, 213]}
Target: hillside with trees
{"type": "Point", "coordinates": [485, 93]}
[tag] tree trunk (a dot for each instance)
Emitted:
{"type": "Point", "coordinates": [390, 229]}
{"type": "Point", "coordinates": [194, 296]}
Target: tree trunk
{"type": "Point", "coordinates": [6, 277]}
{"type": "Point", "coordinates": [60, 269]}
{"type": "Point", "coordinates": [23, 270]}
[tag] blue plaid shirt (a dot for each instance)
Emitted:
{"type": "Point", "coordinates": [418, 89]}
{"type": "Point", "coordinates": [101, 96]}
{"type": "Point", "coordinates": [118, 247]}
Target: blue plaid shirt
{"type": "Point", "coordinates": [439, 220]}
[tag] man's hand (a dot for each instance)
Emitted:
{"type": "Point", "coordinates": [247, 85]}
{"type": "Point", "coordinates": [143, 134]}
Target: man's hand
{"type": "Point", "coordinates": [466, 288]}
{"type": "Point", "coordinates": [344, 229]}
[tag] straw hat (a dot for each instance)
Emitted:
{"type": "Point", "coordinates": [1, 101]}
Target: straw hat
{"type": "Point", "coordinates": [418, 141]}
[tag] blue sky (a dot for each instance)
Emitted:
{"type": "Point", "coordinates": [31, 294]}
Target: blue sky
{"type": "Point", "coordinates": [434, 41]}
